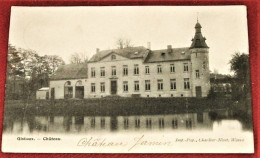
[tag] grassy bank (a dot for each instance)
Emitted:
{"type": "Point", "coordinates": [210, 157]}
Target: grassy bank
{"type": "Point", "coordinates": [116, 106]}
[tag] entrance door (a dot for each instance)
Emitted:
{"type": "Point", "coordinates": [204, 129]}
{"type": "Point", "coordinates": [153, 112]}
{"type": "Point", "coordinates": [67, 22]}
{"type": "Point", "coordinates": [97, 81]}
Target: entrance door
{"type": "Point", "coordinates": [52, 93]}
{"type": "Point", "coordinates": [47, 95]}
{"type": "Point", "coordinates": [198, 91]}
{"type": "Point", "coordinates": [113, 87]}
{"type": "Point", "coordinates": [79, 92]}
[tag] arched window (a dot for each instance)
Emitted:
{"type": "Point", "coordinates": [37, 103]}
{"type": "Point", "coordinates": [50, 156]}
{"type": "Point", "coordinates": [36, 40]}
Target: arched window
{"type": "Point", "coordinates": [68, 90]}
{"type": "Point", "coordinates": [68, 83]}
{"type": "Point", "coordinates": [113, 57]}
{"type": "Point", "coordinates": [79, 83]}
{"type": "Point", "coordinates": [79, 89]}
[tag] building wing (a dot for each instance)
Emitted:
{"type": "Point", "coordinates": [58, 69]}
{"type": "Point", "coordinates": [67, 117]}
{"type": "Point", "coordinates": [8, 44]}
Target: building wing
{"type": "Point", "coordinates": [71, 71]}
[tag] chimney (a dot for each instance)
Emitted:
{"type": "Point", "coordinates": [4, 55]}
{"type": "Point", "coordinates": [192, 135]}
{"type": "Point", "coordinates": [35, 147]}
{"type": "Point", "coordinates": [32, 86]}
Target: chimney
{"type": "Point", "coordinates": [97, 50]}
{"type": "Point", "coordinates": [149, 45]}
{"type": "Point", "coordinates": [169, 48]}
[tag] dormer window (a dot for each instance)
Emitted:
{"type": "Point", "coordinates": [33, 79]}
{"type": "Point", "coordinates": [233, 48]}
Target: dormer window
{"type": "Point", "coordinates": [113, 57]}
{"type": "Point", "coordinates": [163, 53]}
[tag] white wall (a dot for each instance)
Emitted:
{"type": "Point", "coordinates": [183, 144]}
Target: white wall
{"type": "Point", "coordinates": [166, 75]}
{"type": "Point", "coordinates": [41, 94]}
{"type": "Point", "coordinates": [197, 64]}
{"type": "Point", "coordinates": [59, 87]}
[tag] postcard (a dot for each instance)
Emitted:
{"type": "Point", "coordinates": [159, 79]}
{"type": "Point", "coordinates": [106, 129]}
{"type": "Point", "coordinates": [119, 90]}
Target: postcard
{"type": "Point", "coordinates": [128, 79]}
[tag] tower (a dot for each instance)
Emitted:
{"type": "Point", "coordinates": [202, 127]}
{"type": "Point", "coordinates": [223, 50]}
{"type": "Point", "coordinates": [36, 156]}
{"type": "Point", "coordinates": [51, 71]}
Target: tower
{"type": "Point", "coordinates": [200, 74]}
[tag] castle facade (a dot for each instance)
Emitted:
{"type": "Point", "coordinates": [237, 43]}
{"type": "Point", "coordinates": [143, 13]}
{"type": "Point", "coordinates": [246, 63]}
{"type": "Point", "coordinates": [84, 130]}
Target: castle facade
{"type": "Point", "coordinates": [138, 72]}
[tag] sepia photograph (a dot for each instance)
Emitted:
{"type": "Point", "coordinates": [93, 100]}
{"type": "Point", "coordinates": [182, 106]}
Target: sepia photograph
{"type": "Point", "coordinates": [128, 79]}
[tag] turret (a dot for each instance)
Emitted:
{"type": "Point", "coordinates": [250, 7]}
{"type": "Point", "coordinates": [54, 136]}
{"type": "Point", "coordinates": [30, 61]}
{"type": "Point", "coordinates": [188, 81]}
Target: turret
{"type": "Point", "coordinates": [200, 75]}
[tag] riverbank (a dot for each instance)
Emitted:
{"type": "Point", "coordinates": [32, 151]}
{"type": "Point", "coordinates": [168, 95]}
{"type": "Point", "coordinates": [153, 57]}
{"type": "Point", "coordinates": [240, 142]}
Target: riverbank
{"type": "Point", "coordinates": [116, 106]}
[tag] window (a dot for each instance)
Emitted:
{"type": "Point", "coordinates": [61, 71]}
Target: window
{"type": "Point", "coordinates": [147, 70]}
{"type": "Point", "coordinates": [125, 86]}
{"type": "Point", "coordinates": [186, 83]}
{"type": "Point", "coordinates": [125, 70]}
{"type": "Point", "coordinates": [68, 90]}
{"type": "Point", "coordinates": [188, 124]}
{"type": "Point", "coordinates": [172, 68]}
{"type": "Point", "coordinates": [113, 57]}
{"type": "Point", "coordinates": [136, 85]}
{"type": "Point", "coordinates": [204, 65]}
{"type": "Point", "coordinates": [175, 123]}
{"type": "Point", "coordinates": [136, 69]}
{"type": "Point", "coordinates": [159, 69]}
{"type": "Point", "coordinates": [113, 71]}
{"type": "Point", "coordinates": [102, 71]}
{"type": "Point", "coordinates": [185, 67]}
{"type": "Point", "coordinates": [148, 123]}
{"type": "Point", "coordinates": [147, 85]}
{"type": "Point", "coordinates": [79, 83]}
{"type": "Point", "coordinates": [126, 123]}
{"type": "Point", "coordinates": [79, 90]}
{"type": "Point", "coordinates": [79, 120]}
{"type": "Point", "coordinates": [173, 84]}
{"type": "Point", "coordinates": [161, 123]}
{"type": "Point", "coordinates": [160, 84]}
{"type": "Point", "coordinates": [68, 83]}
{"type": "Point", "coordinates": [137, 123]}
{"type": "Point", "coordinates": [197, 74]}
{"type": "Point", "coordinates": [92, 123]}
{"type": "Point", "coordinates": [93, 72]}
{"type": "Point", "coordinates": [103, 123]}
{"type": "Point", "coordinates": [93, 87]}
{"type": "Point", "coordinates": [102, 87]}
{"type": "Point", "coordinates": [200, 117]}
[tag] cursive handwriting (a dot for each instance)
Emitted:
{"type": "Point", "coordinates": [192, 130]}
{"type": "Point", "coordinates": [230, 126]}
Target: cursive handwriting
{"type": "Point", "coordinates": [98, 142]}
{"type": "Point", "coordinates": [141, 141]}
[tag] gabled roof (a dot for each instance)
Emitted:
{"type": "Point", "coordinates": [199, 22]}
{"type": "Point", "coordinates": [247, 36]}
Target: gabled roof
{"type": "Point", "coordinates": [164, 55]}
{"type": "Point", "coordinates": [71, 71]}
{"type": "Point", "coordinates": [130, 52]}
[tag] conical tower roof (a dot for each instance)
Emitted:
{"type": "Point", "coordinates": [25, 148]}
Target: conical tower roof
{"type": "Point", "coordinates": [198, 41]}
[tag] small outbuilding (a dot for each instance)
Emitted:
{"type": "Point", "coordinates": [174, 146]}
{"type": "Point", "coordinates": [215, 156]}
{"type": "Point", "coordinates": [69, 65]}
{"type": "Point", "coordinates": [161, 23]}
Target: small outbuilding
{"type": "Point", "coordinates": [43, 93]}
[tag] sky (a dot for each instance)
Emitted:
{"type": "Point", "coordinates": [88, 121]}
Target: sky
{"type": "Point", "coordinates": [63, 31]}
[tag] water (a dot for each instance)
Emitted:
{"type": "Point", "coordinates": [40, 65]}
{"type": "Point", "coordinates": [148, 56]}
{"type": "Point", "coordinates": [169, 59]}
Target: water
{"type": "Point", "coordinates": [206, 121]}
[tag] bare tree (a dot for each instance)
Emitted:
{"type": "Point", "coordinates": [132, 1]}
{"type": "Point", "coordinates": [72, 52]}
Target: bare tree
{"type": "Point", "coordinates": [120, 43]}
{"type": "Point", "coordinates": [128, 43]}
{"type": "Point", "coordinates": [79, 58]}
{"type": "Point", "coordinates": [123, 43]}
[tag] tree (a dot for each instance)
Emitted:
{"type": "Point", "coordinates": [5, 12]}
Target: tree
{"type": "Point", "coordinates": [30, 70]}
{"type": "Point", "coordinates": [79, 58]}
{"type": "Point", "coordinates": [120, 43]}
{"type": "Point", "coordinates": [123, 43]}
{"type": "Point", "coordinates": [240, 66]}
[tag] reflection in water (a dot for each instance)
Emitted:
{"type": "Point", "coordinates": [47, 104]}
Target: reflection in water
{"type": "Point", "coordinates": [70, 124]}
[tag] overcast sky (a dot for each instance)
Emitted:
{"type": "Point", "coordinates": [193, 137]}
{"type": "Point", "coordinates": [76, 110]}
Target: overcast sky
{"type": "Point", "coordinates": [65, 30]}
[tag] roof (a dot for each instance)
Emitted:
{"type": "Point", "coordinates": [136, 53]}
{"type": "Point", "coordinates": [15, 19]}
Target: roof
{"type": "Point", "coordinates": [198, 25]}
{"type": "Point", "coordinates": [164, 55]}
{"type": "Point", "coordinates": [198, 41]}
{"type": "Point", "coordinates": [71, 71]}
{"type": "Point", "coordinates": [129, 52]}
